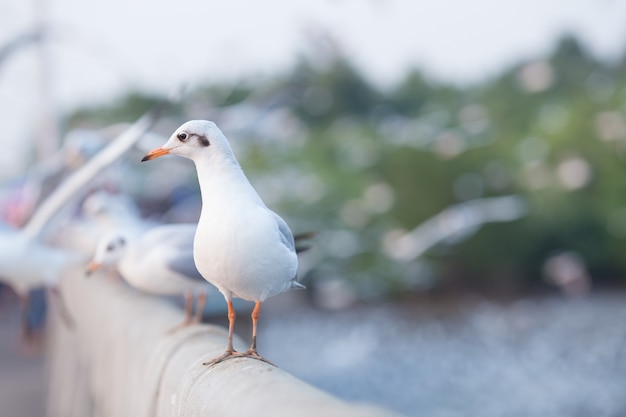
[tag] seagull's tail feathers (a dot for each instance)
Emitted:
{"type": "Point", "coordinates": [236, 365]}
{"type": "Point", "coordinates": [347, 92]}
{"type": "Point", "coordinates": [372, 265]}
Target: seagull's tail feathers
{"type": "Point", "coordinates": [296, 285]}
{"type": "Point", "coordinates": [300, 241]}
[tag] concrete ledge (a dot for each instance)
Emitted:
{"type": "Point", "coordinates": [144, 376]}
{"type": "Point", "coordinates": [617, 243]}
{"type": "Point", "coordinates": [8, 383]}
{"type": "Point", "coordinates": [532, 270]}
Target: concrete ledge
{"type": "Point", "coordinates": [120, 360]}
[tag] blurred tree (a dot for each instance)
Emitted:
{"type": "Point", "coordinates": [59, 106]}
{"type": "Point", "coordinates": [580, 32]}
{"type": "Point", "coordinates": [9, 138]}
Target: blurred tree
{"type": "Point", "coordinates": [322, 96]}
{"type": "Point", "coordinates": [363, 166]}
{"type": "Point", "coordinates": [127, 109]}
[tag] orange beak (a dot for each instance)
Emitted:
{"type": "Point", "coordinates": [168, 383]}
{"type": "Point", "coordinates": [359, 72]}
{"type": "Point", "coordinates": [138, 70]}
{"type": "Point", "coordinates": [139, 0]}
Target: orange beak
{"type": "Point", "coordinates": [155, 153]}
{"type": "Point", "coordinates": [92, 267]}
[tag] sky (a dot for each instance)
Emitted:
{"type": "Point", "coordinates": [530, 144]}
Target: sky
{"type": "Point", "coordinates": [100, 49]}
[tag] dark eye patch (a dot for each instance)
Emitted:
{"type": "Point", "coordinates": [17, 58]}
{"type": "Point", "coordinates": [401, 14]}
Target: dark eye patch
{"type": "Point", "coordinates": [185, 137]}
{"type": "Point", "coordinates": [203, 140]}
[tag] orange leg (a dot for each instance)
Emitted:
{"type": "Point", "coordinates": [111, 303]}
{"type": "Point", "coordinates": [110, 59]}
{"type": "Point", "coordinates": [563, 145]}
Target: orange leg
{"type": "Point", "coordinates": [200, 307]}
{"type": "Point", "coordinates": [252, 353]}
{"type": "Point", "coordinates": [255, 320]}
{"type": "Point", "coordinates": [231, 326]}
{"type": "Point", "coordinates": [230, 351]}
{"type": "Point", "coordinates": [188, 307]}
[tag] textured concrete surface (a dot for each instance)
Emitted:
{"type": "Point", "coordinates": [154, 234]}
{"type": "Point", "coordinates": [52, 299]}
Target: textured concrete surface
{"type": "Point", "coordinates": [122, 359]}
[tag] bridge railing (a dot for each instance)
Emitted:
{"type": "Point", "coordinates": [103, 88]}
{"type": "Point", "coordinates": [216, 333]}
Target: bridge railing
{"type": "Point", "coordinates": [119, 360]}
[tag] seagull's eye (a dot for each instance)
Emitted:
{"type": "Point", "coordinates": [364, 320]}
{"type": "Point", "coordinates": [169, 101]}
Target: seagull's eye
{"type": "Point", "coordinates": [182, 136]}
{"type": "Point", "coordinates": [110, 247]}
{"type": "Point", "coordinates": [122, 241]}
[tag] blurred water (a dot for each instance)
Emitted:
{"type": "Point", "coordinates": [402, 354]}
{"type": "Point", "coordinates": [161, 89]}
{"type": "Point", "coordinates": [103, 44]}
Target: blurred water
{"type": "Point", "coordinates": [537, 357]}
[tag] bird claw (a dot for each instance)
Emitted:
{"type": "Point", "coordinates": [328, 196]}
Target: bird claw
{"type": "Point", "coordinates": [252, 354]}
{"type": "Point", "coordinates": [229, 354]}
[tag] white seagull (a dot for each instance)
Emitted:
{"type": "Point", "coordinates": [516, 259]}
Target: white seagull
{"type": "Point", "coordinates": [26, 262]}
{"type": "Point", "coordinates": [158, 261]}
{"type": "Point", "coordinates": [241, 246]}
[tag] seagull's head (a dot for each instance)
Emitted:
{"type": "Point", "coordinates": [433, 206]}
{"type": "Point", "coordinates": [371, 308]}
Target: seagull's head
{"type": "Point", "coordinates": [193, 138]}
{"type": "Point", "coordinates": [109, 250]}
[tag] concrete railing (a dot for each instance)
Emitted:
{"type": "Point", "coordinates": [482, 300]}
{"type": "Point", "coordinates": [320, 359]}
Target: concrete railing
{"type": "Point", "coordinates": [119, 360]}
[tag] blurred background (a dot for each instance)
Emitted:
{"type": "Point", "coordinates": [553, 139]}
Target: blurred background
{"type": "Point", "coordinates": [461, 163]}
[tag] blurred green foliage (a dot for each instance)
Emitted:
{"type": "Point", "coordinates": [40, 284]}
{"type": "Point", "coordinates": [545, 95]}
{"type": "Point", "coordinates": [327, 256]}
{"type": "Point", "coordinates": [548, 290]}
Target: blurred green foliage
{"type": "Point", "coordinates": [333, 153]}
{"type": "Point", "coordinates": [128, 109]}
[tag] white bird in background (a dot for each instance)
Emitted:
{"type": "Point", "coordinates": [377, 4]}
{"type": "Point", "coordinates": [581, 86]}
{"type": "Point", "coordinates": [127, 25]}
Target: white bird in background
{"type": "Point", "coordinates": [100, 213]}
{"type": "Point", "coordinates": [44, 176]}
{"type": "Point", "coordinates": [27, 264]}
{"type": "Point", "coordinates": [25, 261]}
{"type": "Point", "coordinates": [158, 261]}
{"type": "Point", "coordinates": [242, 247]}
{"type": "Point", "coordinates": [111, 210]}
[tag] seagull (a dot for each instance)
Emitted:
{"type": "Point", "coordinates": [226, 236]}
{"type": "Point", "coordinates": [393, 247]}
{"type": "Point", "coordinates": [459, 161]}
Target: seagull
{"type": "Point", "coordinates": [241, 247]}
{"type": "Point", "coordinates": [26, 261]}
{"type": "Point", "coordinates": [158, 261]}
{"type": "Point", "coordinates": [27, 264]}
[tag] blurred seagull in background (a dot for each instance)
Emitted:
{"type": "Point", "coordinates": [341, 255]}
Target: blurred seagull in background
{"type": "Point", "coordinates": [26, 261]}
{"type": "Point", "coordinates": [242, 247]}
{"type": "Point", "coordinates": [28, 264]}
{"type": "Point", "coordinates": [28, 191]}
{"type": "Point", "coordinates": [158, 261]}
{"type": "Point", "coordinates": [100, 213]}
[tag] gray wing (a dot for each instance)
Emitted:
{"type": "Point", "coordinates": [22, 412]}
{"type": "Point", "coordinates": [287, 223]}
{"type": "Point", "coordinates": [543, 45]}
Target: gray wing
{"type": "Point", "coordinates": [286, 237]}
{"type": "Point", "coordinates": [184, 264]}
{"type": "Point", "coordinates": [180, 255]}
{"type": "Point", "coordinates": [178, 235]}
